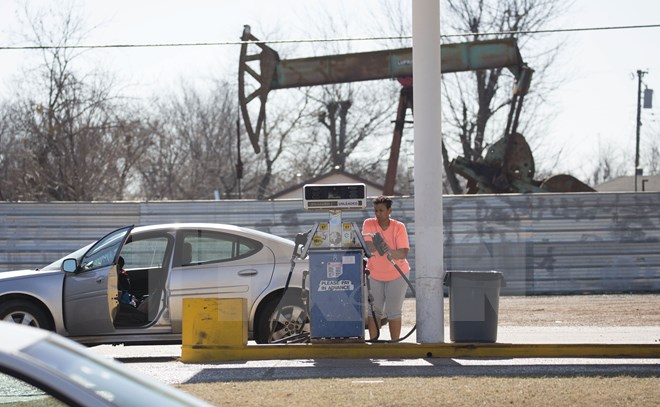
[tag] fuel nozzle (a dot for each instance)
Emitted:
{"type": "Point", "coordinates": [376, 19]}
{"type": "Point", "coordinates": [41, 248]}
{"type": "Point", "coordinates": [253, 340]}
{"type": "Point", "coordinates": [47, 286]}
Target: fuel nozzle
{"type": "Point", "coordinates": [380, 244]}
{"type": "Point", "coordinates": [301, 238]}
{"type": "Point", "coordinates": [301, 241]}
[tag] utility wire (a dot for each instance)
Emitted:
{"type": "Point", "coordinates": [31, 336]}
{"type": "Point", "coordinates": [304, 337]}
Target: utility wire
{"type": "Point", "coordinates": [320, 40]}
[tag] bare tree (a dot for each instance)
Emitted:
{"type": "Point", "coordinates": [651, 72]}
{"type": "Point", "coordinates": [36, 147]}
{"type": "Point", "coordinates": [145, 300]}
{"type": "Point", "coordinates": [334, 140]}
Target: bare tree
{"type": "Point", "coordinates": [340, 121]}
{"type": "Point", "coordinates": [351, 115]}
{"type": "Point", "coordinates": [271, 168]}
{"type": "Point", "coordinates": [653, 159]}
{"type": "Point", "coordinates": [473, 106]}
{"type": "Point", "coordinates": [609, 166]}
{"type": "Point", "coordinates": [10, 155]}
{"type": "Point", "coordinates": [132, 140]}
{"type": "Point", "coordinates": [476, 104]}
{"type": "Point", "coordinates": [71, 139]}
{"type": "Point", "coordinates": [613, 163]}
{"type": "Point", "coordinates": [193, 153]}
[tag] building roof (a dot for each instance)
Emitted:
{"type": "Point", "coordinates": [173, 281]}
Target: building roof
{"type": "Point", "coordinates": [645, 183]}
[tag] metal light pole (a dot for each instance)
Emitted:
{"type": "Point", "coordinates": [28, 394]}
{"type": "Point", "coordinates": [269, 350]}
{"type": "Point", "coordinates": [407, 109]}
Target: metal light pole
{"type": "Point", "coordinates": [429, 266]}
{"type": "Point", "coordinates": [640, 74]}
{"type": "Point", "coordinates": [648, 95]}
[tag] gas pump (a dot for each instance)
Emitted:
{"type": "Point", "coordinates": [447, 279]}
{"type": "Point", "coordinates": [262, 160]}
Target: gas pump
{"type": "Point", "coordinates": [336, 251]}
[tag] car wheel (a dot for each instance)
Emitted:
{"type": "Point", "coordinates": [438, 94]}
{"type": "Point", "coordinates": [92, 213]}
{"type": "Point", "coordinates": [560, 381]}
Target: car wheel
{"type": "Point", "coordinates": [24, 313]}
{"type": "Point", "coordinates": [283, 321]}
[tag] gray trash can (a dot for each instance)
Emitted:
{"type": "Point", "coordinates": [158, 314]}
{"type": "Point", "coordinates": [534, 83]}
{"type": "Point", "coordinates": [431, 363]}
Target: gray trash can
{"type": "Point", "coordinates": [474, 298]}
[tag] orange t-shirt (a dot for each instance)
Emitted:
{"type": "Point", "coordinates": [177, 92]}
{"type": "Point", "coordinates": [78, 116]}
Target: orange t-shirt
{"type": "Point", "coordinates": [396, 237]}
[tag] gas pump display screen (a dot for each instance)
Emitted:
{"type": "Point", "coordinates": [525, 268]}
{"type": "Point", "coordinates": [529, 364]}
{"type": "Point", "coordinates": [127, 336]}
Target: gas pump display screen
{"type": "Point", "coordinates": [334, 196]}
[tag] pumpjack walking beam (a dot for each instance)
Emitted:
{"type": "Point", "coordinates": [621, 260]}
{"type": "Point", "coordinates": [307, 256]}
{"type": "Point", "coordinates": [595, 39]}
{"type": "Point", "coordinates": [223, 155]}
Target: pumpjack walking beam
{"type": "Point", "coordinates": [263, 71]}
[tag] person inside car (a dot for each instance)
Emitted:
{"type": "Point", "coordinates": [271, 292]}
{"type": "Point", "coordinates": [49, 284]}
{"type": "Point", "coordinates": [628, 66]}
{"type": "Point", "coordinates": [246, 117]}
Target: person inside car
{"type": "Point", "coordinates": [129, 314]}
{"type": "Point", "coordinates": [124, 285]}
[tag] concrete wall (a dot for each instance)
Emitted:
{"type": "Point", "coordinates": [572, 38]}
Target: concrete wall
{"type": "Point", "coordinates": [543, 243]}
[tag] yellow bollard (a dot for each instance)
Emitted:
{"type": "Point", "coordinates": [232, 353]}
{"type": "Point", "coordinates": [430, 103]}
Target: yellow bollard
{"type": "Point", "coordinates": [212, 323]}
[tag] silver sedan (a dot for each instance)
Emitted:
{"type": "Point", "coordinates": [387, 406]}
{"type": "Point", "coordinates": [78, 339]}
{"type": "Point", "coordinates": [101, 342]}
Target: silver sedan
{"type": "Point", "coordinates": [128, 287]}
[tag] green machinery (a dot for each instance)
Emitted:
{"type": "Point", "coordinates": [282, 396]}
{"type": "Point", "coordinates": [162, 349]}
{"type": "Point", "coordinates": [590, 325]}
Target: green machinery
{"type": "Point", "coordinates": [508, 166]}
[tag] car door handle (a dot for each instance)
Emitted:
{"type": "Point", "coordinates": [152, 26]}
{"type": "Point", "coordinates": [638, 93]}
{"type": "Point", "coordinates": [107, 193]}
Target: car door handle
{"type": "Point", "coordinates": [248, 273]}
{"type": "Point", "coordinates": [99, 280]}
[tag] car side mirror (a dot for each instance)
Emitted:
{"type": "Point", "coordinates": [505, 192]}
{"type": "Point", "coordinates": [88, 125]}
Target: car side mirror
{"type": "Point", "coordinates": [69, 265]}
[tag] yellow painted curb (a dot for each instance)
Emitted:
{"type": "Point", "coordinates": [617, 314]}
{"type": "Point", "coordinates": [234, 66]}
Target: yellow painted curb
{"type": "Point", "coordinates": [215, 330]}
{"type": "Point", "coordinates": [206, 354]}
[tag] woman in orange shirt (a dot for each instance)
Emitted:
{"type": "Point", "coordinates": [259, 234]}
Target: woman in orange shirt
{"type": "Point", "coordinates": [388, 287]}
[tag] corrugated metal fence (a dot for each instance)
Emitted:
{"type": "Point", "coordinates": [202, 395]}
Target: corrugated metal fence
{"type": "Point", "coordinates": [543, 243]}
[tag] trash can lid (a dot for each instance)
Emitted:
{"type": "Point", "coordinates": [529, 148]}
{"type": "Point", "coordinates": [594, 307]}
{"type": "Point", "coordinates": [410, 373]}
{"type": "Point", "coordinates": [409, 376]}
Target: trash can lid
{"type": "Point", "coordinates": [488, 272]}
{"type": "Point", "coordinates": [474, 275]}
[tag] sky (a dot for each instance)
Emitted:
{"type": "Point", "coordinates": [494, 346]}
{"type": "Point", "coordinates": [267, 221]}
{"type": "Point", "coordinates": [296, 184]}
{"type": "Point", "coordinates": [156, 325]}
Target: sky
{"type": "Point", "coordinates": [592, 113]}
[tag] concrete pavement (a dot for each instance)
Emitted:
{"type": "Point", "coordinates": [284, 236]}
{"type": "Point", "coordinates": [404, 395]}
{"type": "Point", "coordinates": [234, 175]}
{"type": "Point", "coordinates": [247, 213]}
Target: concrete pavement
{"type": "Point", "coordinates": [164, 364]}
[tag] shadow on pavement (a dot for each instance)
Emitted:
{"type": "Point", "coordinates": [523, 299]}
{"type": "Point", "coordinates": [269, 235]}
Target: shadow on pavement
{"type": "Point", "coordinates": [335, 368]}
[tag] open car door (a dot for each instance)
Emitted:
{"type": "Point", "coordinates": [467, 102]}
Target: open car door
{"type": "Point", "coordinates": [91, 296]}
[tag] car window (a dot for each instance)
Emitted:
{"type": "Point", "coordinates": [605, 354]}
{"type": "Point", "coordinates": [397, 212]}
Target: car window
{"type": "Point", "coordinates": [100, 378]}
{"type": "Point", "coordinates": [104, 252]}
{"type": "Point", "coordinates": [16, 392]}
{"type": "Point", "coordinates": [145, 253]}
{"type": "Point", "coordinates": [206, 247]}
{"type": "Point", "coordinates": [57, 265]}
